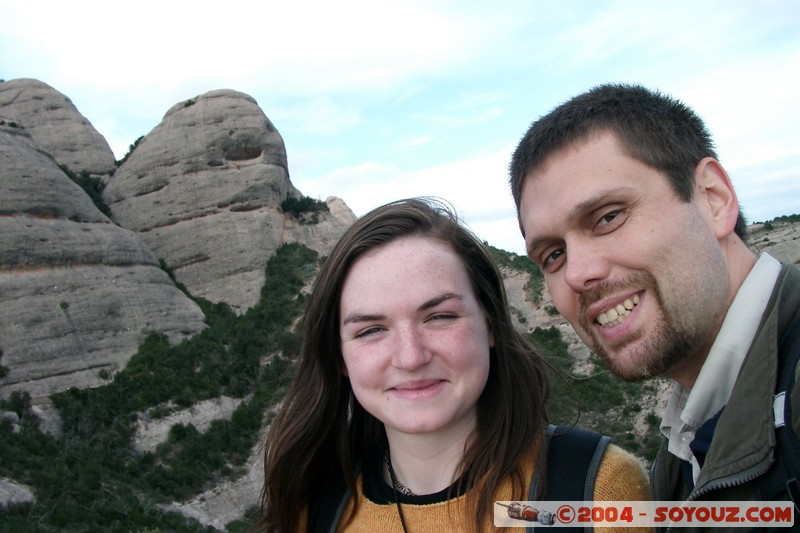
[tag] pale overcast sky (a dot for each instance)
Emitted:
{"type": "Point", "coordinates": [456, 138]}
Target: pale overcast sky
{"type": "Point", "coordinates": [378, 100]}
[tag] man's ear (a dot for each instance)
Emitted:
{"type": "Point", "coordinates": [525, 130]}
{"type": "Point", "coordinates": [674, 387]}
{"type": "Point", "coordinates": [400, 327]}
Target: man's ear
{"type": "Point", "coordinates": [714, 193]}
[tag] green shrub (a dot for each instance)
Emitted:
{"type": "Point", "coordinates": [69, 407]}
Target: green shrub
{"type": "Point", "coordinates": [131, 148]}
{"type": "Point", "coordinates": [93, 186]}
{"type": "Point", "coordinates": [298, 207]}
{"type": "Point", "coordinates": [598, 401]}
{"type": "Point", "coordinates": [534, 288]}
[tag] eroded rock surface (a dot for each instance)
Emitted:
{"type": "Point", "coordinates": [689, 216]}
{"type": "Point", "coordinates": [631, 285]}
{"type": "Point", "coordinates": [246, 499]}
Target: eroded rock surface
{"type": "Point", "coordinates": [56, 125]}
{"type": "Point", "coordinates": [204, 190]}
{"type": "Point", "coordinates": [78, 294]}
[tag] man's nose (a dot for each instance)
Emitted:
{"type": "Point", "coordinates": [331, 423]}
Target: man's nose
{"type": "Point", "coordinates": [586, 265]}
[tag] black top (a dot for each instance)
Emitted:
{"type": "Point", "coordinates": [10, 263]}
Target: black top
{"type": "Point", "coordinates": [378, 491]}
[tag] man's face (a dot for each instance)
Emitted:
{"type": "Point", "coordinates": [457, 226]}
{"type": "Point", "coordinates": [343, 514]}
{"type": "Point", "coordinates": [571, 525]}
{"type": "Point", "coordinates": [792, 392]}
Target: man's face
{"type": "Point", "coordinates": [637, 271]}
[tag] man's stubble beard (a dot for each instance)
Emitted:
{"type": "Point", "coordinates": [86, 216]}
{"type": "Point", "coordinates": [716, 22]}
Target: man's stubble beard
{"type": "Point", "coordinates": [667, 345]}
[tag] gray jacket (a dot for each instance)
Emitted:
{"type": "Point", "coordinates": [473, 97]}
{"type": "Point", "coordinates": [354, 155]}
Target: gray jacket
{"type": "Point", "coordinates": [743, 446]}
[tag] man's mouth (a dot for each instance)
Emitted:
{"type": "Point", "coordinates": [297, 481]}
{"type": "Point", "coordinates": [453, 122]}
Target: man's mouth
{"type": "Point", "coordinates": [617, 314]}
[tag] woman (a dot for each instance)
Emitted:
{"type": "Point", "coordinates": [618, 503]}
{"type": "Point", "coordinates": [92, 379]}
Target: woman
{"type": "Point", "coordinates": [413, 389]}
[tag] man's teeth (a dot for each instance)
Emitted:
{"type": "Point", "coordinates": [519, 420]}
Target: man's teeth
{"type": "Point", "coordinates": [616, 315]}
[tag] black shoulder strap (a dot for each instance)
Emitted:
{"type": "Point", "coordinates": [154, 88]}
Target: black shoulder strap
{"type": "Point", "coordinates": [325, 512]}
{"type": "Point", "coordinates": [573, 458]}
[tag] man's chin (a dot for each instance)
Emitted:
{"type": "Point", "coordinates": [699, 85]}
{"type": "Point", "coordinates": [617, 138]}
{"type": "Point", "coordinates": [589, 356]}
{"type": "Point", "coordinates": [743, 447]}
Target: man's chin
{"type": "Point", "coordinates": [625, 366]}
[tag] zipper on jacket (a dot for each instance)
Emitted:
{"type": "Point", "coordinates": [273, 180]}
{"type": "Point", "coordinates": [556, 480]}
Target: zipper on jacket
{"type": "Point", "coordinates": [756, 472]}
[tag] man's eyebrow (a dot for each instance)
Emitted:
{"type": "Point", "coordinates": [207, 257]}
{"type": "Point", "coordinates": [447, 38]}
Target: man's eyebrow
{"type": "Point", "coordinates": [579, 210]}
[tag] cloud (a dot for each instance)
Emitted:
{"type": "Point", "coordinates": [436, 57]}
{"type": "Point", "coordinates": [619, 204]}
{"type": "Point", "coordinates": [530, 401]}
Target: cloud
{"type": "Point", "coordinates": [381, 100]}
{"type": "Point", "coordinates": [319, 115]}
{"type": "Point", "coordinates": [476, 187]}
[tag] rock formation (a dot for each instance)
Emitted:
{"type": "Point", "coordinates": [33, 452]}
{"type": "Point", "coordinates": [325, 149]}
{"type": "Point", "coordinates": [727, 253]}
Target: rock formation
{"type": "Point", "coordinates": [12, 493]}
{"type": "Point", "coordinates": [78, 294]}
{"type": "Point", "coordinates": [204, 190]}
{"type": "Point", "coordinates": [779, 239]}
{"type": "Point", "coordinates": [55, 125]}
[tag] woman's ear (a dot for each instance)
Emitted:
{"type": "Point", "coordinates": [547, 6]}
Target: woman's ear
{"type": "Point", "coordinates": [715, 195]}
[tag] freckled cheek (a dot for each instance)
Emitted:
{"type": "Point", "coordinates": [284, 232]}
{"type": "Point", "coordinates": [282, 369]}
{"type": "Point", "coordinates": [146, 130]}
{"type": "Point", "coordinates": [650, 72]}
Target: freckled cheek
{"type": "Point", "coordinates": [364, 369]}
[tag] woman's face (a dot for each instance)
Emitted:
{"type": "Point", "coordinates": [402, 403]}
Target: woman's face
{"type": "Point", "coordinates": [414, 339]}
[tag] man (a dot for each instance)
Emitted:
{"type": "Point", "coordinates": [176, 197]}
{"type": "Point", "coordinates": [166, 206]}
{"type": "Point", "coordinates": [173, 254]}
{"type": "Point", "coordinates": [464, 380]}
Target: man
{"type": "Point", "coordinates": [636, 226]}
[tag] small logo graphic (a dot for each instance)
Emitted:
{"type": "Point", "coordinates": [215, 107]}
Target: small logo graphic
{"type": "Point", "coordinates": [519, 511]}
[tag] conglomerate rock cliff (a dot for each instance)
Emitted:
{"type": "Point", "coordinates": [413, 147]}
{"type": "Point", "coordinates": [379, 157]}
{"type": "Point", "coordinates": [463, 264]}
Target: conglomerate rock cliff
{"type": "Point", "coordinates": [78, 294]}
{"type": "Point", "coordinates": [56, 125]}
{"type": "Point", "coordinates": [202, 192]}
{"type": "Point", "coordinates": [204, 189]}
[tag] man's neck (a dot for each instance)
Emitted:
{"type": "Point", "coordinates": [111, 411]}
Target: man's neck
{"type": "Point", "coordinates": [740, 260]}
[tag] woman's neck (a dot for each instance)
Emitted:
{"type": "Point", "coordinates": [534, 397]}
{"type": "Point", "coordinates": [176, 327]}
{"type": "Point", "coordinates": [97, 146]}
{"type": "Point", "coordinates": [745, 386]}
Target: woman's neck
{"type": "Point", "coordinates": [426, 463]}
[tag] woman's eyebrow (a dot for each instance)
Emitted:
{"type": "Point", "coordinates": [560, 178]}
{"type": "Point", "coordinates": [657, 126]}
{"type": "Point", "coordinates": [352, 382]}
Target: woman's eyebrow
{"type": "Point", "coordinates": [357, 317]}
{"type": "Point", "coordinates": [361, 317]}
{"type": "Point", "coordinates": [436, 300]}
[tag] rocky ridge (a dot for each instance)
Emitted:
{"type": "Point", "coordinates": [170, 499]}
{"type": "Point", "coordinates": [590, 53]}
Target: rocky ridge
{"type": "Point", "coordinates": [202, 192]}
{"type": "Point", "coordinates": [93, 285]}
{"type": "Point", "coordinates": [77, 293]}
{"type": "Point", "coordinates": [55, 125]}
{"type": "Point", "coordinates": [215, 167]}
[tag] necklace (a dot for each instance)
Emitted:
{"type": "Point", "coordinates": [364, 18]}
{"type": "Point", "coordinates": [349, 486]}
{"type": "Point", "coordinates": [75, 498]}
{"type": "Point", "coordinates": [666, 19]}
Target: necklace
{"type": "Point", "coordinates": [395, 487]}
{"type": "Point", "coordinates": [399, 486]}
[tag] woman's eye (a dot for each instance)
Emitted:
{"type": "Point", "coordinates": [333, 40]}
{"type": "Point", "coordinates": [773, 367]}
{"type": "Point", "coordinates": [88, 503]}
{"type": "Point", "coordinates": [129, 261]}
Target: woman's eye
{"type": "Point", "coordinates": [368, 332]}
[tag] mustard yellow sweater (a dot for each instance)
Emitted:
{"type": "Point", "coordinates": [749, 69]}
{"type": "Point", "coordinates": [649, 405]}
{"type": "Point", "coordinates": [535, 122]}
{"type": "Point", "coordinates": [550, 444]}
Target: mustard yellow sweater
{"type": "Point", "coordinates": [621, 477]}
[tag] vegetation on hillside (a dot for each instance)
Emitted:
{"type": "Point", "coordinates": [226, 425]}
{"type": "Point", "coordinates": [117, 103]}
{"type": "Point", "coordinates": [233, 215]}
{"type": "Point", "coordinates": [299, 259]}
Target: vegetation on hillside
{"type": "Point", "coordinates": [783, 219]}
{"type": "Point", "coordinates": [131, 148]}
{"type": "Point", "coordinates": [304, 209]}
{"type": "Point", "coordinates": [91, 185]}
{"type": "Point", "coordinates": [521, 263]}
{"type": "Point", "coordinates": [599, 400]}
{"type": "Point", "coordinates": [761, 237]}
{"type": "Point", "coordinates": [90, 479]}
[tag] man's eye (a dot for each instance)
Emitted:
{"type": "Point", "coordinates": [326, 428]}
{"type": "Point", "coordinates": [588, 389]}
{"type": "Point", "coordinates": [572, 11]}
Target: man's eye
{"type": "Point", "coordinates": [611, 220]}
{"type": "Point", "coordinates": [552, 260]}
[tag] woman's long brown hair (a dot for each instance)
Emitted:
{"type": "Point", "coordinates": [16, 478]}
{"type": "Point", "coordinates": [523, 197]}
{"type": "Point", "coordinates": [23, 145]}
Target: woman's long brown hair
{"type": "Point", "coordinates": [320, 432]}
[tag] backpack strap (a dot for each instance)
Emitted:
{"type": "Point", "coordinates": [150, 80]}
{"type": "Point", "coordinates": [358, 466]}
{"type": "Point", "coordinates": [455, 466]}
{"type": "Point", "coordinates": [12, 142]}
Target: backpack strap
{"type": "Point", "coordinates": [325, 512]}
{"type": "Point", "coordinates": [573, 459]}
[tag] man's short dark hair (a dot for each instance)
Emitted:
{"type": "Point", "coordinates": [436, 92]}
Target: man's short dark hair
{"type": "Point", "coordinates": [653, 128]}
